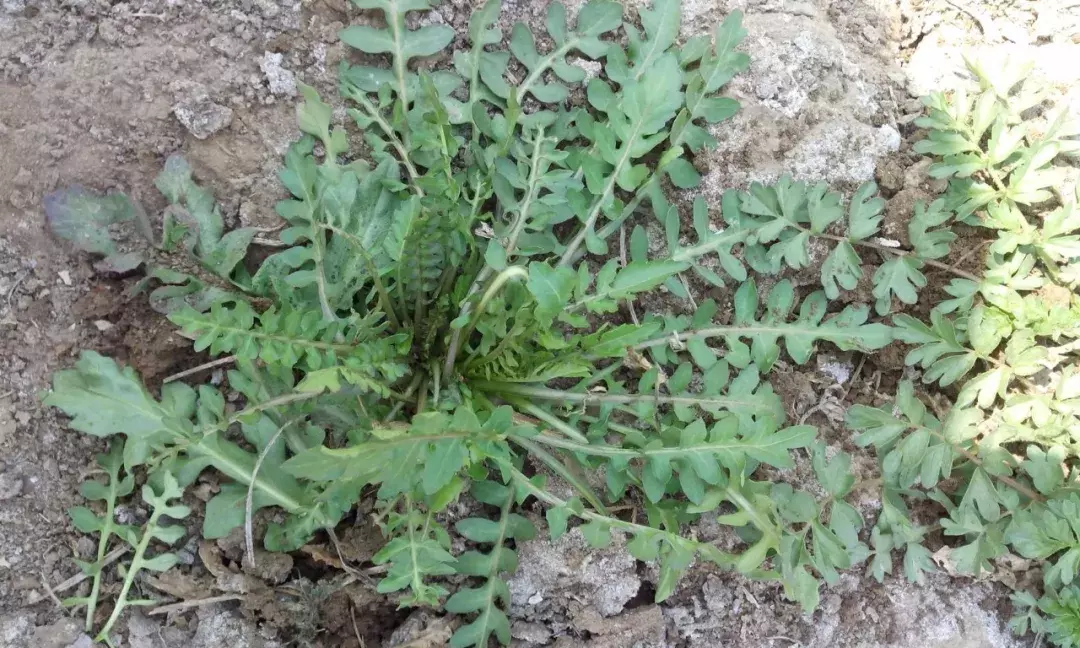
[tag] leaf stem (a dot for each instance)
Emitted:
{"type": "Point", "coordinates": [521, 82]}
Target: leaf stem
{"type": "Point", "coordinates": [552, 420]}
{"type": "Point", "coordinates": [391, 135]}
{"type": "Point", "coordinates": [973, 458]}
{"type": "Point", "coordinates": [594, 213]}
{"type": "Point", "coordinates": [249, 501]}
{"type": "Point", "coordinates": [103, 545]}
{"type": "Point", "coordinates": [545, 393]}
{"type": "Point", "coordinates": [530, 195]}
{"type": "Point", "coordinates": [734, 446]}
{"type": "Point", "coordinates": [783, 329]}
{"type": "Point", "coordinates": [553, 463]}
{"type": "Point", "coordinates": [899, 252]}
{"type": "Point", "coordinates": [543, 65]}
{"type": "Point", "coordinates": [591, 516]}
{"type": "Point", "coordinates": [132, 571]}
{"type": "Point", "coordinates": [396, 21]}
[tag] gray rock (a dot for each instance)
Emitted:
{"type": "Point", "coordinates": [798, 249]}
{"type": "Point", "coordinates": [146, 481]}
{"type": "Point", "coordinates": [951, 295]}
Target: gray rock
{"type": "Point", "coordinates": [61, 634]}
{"type": "Point", "coordinates": [281, 81]}
{"type": "Point", "coordinates": [218, 627]}
{"type": "Point", "coordinates": [11, 486]}
{"type": "Point", "coordinates": [602, 578]}
{"type": "Point", "coordinates": [203, 117]}
{"type": "Point", "coordinates": [12, 6]}
{"type": "Point", "coordinates": [16, 629]}
{"type": "Point", "coordinates": [812, 106]}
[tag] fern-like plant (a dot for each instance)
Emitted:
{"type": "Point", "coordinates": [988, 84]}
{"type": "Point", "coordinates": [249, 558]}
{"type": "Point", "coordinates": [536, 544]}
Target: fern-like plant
{"type": "Point", "coordinates": [1000, 457]}
{"type": "Point", "coordinates": [446, 315]}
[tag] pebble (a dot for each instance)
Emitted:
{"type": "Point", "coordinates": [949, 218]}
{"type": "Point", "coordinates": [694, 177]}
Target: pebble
{"type": "Point", "coordinates": [203, 117]}
{"type": "Point", "coordinates": [11, 486]}
{"type": "Point", "coordinates": [282, 82]}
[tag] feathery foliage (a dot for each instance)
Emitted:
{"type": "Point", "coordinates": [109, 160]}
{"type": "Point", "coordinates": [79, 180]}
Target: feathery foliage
{"type": "Point", "coordinates": [1001, 461]}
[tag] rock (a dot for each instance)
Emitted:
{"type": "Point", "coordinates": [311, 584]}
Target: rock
{"type": "Point", "coordinates": [281, 81]}
{"type": "Point", "coordinates": [203, 117]}
{"type": "Point", "coordinates": [16, 629]}
{"type": "Point", "coordinates": [142, 630]}
{"type": "Point", "coordinates": [812, 106]}
{"type": "Point", "coordinates": [548, 571]}
{"type": "Point", "coordinates": [532, 633]}
{"type": "Point", "coordinates": [11, 486]}
{"type": "Point", "coordinates": [642, 627]}
{"type": "Point", "coordinates": [938, 62]}
{"type": "Point", "coordinates": [842, 151]}
{"type": "Point", "coordinates": [84, 641]}
{"type": "Point", "coordinates": [890, 175]}
{"type": "Point", "coordinates": [271, 567]}
{"type": "Point", "coordinates": [218, 627]}
{"type": "Point", "coordinates": [422, 629]}
{"type": "Point", "coordinates": [12, 6]}
{"type": "Point", "coordinates": [61, 634]}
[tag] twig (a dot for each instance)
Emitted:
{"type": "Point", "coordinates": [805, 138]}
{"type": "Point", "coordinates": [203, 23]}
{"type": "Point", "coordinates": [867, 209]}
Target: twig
{"type": "Point", "coordinates": [901, 252]}
{"type": "Point", "coordinates": [184, 605]}
{"type": "Point", "coordinates": [349, 569]}
{"type": "Point", "coordinates": [249, 542]}
{"type": "Point", "coordinates": [194, 370]}
{"type": "Point", "coordinates": [49, 591]}
{"type": "Point", "coordinates": [973, 458]}
{"type": "Point", "coordinates": [15, 286]}
{"type": "Point", "coordinates": [986, 24]}
{"type": "Point", "coordinates": [109, 559]}
{"type": "Point", "coordinates": [356, 630]}
{"type": "Point", "coordinates": [854, 375]}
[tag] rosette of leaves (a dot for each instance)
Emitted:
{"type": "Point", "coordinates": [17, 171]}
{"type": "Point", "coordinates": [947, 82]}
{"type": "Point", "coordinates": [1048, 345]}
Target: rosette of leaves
{"type": "Point", "coordinates": [439, 319]}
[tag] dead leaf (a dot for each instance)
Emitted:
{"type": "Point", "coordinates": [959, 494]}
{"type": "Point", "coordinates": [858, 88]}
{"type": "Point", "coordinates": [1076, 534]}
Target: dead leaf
{"type": "Point", "coordinates": [322, 554]}
{"type": "Point", "coordinates": [211, 558]}
{"type": "Point", "coordinates": [180, 585]}
{"type": "Point", "coordinates": [227, 580]}
{"type": "Point", "coordinates": [635, 360]}
{"type": "Point", "coordinates": [943, 559]}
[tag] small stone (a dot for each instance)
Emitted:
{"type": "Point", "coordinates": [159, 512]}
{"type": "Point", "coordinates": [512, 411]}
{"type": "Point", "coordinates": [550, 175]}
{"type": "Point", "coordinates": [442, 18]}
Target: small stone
{"type": "Point", "coordinates": [203, 117]}
{"type": "Point", "coordinates": [103, 325]}
{"type": "Point", "coordinates": [890, 175]}
{"type": "Point", "coordinates": [281, 81]}
{"type": "Point", "coordinates": [533, 633]}
{"type": "Point", "coordinates": [84, 641]}
{"type": "Point", "coordinates": [84, 546]}
{"type": "Point", "coordinates": [65, 276]}
{"type": "Point", "coordinates": [11, 486]}
{"type": "Point", "coordinates": [268, 8]}
{"type": "Point", "coordinates": [61, 634]}
{"type": "Point", "coordinates": [271, 567]}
